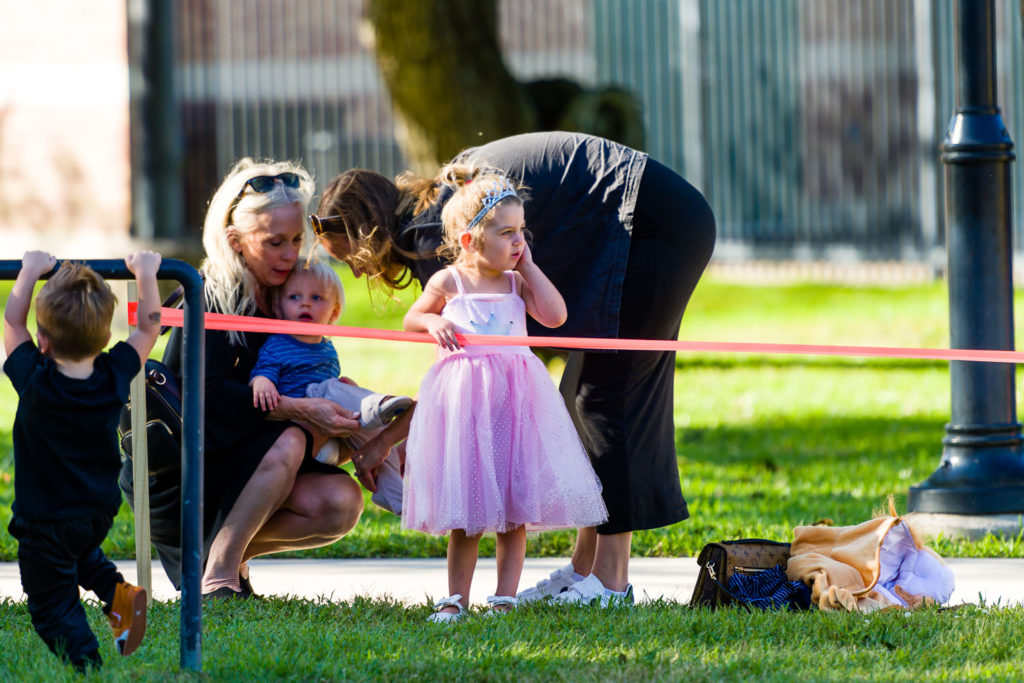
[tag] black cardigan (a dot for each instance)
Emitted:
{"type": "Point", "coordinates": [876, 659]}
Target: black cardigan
{"type": "Point", "coordinates": [582, 192]}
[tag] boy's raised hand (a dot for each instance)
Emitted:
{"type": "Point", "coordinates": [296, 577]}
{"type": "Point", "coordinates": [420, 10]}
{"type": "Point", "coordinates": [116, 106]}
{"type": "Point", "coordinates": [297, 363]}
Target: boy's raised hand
{"type": "Point", "coordinates": [144, 265]}
{"type": "Point", "coordinates": [36, 263]}
{"type": "Point", "coordinates": [33, 265]}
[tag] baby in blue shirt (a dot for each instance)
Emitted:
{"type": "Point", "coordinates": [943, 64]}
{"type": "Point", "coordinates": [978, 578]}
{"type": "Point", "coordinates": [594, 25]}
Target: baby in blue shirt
{"type": "Point", "coordinates": [307, 366]}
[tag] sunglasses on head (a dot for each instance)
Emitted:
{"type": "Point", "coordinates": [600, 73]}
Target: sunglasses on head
{"type": "Point", "coordinates": [263, 184]}
{"type": "Point", "coordinates": [325, 224]}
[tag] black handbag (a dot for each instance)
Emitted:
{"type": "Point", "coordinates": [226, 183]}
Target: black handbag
{"type": "Point", "coordinates": [163, 421]}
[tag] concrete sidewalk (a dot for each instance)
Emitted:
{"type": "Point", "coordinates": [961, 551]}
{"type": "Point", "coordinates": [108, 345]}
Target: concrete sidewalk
{"type": "Point", "coordinates": [995, 581]}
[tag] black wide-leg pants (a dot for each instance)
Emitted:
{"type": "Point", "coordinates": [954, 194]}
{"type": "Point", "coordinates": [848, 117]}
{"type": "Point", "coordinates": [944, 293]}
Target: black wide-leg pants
{"type": "Point", "coordinates": [622, 402]}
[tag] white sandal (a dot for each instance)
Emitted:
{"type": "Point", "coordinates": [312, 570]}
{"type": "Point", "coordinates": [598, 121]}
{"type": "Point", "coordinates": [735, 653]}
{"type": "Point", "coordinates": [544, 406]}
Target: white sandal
{"type": "Point", "coordinates": [439, 617]}
{"type": "Point", "coordinates": [496, 601]}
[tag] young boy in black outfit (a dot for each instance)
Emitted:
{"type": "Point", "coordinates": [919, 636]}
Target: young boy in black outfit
{"type": "Point", "coordinates": [66, 456]}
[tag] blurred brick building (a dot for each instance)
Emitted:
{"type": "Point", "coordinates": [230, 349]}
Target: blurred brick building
{"type": "Point", "coordinates": [64, 171]}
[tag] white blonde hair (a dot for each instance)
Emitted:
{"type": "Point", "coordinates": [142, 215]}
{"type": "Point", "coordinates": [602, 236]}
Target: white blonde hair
{"type": "Point", "coordinates": [230, 286]}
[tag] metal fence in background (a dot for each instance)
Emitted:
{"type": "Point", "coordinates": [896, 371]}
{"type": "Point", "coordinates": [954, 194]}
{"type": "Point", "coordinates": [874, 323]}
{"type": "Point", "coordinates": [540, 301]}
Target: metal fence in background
{"type": "Point", "coordinates": [264, 78]}
{"type": "Point", "coordinates": [811, 131]}
{"type": "Point", "coordinates": [813, 126]}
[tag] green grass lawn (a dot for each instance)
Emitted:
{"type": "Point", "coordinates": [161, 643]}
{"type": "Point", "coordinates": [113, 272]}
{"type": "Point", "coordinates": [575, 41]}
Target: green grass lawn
{"type": "Point", "coordinates": [765, 444]}
{"type": "Point", "coordinates": [299, 640]}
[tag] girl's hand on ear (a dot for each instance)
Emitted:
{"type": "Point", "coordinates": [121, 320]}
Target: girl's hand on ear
{"type": "Point", "coordinates": [525, 259]}
{"type": "Point", "coordinates": [443, 331]}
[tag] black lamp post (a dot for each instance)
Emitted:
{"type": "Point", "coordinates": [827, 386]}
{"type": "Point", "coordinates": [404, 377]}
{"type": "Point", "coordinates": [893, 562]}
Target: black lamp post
{"type": "Point", "coordinates": [982, 468]}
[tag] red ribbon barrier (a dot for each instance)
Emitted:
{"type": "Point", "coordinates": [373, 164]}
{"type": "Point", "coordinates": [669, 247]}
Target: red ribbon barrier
{"type": "Point", "coordinates": [219, 321]}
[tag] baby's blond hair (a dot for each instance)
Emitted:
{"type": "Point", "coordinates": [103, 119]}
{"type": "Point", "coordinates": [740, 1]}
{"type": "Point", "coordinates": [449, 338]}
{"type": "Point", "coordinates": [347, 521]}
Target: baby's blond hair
{"type": "Point", "coordinates": [324, 274]}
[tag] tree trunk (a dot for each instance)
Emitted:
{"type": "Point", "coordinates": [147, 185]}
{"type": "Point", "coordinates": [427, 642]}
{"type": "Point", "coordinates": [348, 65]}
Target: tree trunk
{"type": "Point", "coordinates": [449, 84]}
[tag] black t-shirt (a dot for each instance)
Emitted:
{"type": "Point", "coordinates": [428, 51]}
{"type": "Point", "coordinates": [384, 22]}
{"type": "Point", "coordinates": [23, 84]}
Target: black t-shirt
{"type": "Point", "coordinates": [66, 455]}
{"type": "Point", "coordinates": [582, 194]}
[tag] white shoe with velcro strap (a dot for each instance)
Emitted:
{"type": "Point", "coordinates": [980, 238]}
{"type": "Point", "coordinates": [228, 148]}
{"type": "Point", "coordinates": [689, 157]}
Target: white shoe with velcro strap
{"type": "Point", "coordinates": [590, 591]}
{"type": "Point", "coordinates": [557, 582]}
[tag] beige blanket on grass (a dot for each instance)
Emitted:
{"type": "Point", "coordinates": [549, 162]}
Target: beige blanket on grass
{"type": "Point", "coordinates": [843, 566]}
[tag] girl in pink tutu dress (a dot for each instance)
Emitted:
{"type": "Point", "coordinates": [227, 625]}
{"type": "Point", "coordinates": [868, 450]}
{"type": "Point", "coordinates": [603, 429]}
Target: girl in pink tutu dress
{"type": "Point", "coordinates": [491, 447]}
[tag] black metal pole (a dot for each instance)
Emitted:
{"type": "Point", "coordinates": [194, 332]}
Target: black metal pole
{"type": "Point", "coordinates": [982, 469]}
{"type": "Point", "coordinates": [191, 438]}
{"type": "Point", "coordinates": [192, 423]}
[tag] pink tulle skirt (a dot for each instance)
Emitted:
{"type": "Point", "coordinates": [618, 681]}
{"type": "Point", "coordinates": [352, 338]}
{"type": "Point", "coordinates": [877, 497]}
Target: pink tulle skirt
{"type": "Point", "coordinates": [492, 448]}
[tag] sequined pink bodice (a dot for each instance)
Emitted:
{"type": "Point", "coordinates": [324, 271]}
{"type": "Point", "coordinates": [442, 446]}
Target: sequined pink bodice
{"type": "Point", "coordinates": [487, 313]}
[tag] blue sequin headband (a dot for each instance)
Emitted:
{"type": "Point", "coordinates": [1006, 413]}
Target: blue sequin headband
{"type": "Point", "coordinates": [492, 197]}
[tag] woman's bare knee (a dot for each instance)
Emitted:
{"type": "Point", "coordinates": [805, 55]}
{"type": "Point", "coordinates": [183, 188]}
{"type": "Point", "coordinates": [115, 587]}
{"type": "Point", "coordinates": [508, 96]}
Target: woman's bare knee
{"type": "Point", "coordinates": [343, 506]}
{"type": "Point", "coordinates": [287, 452]}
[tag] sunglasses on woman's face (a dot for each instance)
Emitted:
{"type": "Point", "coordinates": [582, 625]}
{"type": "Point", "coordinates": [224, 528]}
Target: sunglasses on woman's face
{"type": "Point", "coordinates": [262, 184]}
{"type": "Point", "coordinates": [325, 224]}
{"type": "Point", "coordinates": [265, 183]}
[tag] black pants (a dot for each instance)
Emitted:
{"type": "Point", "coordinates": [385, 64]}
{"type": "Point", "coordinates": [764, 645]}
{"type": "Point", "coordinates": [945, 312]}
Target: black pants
{"type": "Point", "coordinates": [55, 558]}
{"type": "Point", "coordinates": [622, 402]}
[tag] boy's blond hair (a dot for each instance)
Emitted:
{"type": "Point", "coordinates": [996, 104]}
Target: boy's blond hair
{"type": "Point", "coordinates": [73, 311]}
{"type": "Point", "coordinates": [324, 274]}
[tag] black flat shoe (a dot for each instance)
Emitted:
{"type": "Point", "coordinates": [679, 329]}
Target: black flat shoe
{"type": "Point", "coordinates": [226, 593]}
{"type": "Point", "coordinates": [243, 582]}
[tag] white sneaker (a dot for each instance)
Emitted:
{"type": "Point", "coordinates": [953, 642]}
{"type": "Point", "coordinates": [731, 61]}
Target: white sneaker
{"type": "Point", "coordinates": [556, 583]}
{"type": "Point", "coordinates": [590, 591]}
